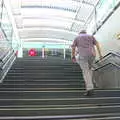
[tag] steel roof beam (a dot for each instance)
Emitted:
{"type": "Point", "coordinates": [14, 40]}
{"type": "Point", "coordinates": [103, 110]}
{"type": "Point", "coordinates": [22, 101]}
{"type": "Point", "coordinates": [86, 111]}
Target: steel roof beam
{"type": "Point", "coordinates": [84, 2]}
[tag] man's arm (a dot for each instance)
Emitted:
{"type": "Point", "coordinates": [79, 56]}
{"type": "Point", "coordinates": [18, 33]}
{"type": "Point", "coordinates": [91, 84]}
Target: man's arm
{"type": "Point", "coordinates": [74, 46]}
{"type": "Point", "coordinates": [73, 51]}
{"type": "Point", "coordinates": [98, 49]}
{"type": "Point", "coordinates": [73, 55]}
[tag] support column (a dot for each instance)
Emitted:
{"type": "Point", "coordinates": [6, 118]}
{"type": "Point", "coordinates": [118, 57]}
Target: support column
{"type": "Point", "coordinates": [95, 18]}
{"type": "Point", "coordinates": [64, 53]}
{"type": "Point", "coordinates": [43, 52]}
{"type": "Point", "coordinates": [20, 52]}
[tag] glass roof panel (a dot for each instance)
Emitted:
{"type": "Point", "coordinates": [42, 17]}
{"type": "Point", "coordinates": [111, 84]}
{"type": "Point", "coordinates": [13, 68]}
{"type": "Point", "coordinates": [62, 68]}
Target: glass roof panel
{"type": "Point", "coordinates": [46, 23]}
{"type": "Point", "coordinates": [68, 4]}
{"type": "Point", "coordinates": [64, 13]}
{"type": "Point", "coordinates": [42, 13]}
{"type": "Point", "coordinates": [71, 15]}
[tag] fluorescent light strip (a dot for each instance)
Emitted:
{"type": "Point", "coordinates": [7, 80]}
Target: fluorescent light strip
{"type": "Point", "coordinates": [44, 39]}
{"type": "Point", "coordinates": [48, 29]}
{"type": "Point", "coordinates": [55, 18]}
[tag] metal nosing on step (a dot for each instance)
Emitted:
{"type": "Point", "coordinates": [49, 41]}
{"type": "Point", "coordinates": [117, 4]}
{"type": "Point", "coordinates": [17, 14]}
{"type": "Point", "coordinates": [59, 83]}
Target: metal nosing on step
{"type": "Point", "coordinates": [46, 106]}
{"type": "Point", "coordinates": [60, 105]}
{"type": "Point", "coordinates": [56, 99]}
{"type": "Point", "coordinates": [105, 118]}
{"type": "Point", "coordinates": [83, 117]}
{"type": "Point", "coordinates": [80, 91]}
{"type": "Point", "coordinates": [37, 84]}
{"type": "Point", "coordinates": [101, 118]}
{"type": "Point", "coordinates": [44, 80]}
{"type": "Point", "coordinates": [40, 91]}
{"type": "Point", "coordinates": [28, 89]}
{"type": "Point", "coordinates": [64, 108]}
{"type": "Point", "coordinates": [75, 89]}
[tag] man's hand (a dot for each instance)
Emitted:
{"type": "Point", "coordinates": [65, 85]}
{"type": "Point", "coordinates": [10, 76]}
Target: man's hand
{"type": "Point", "coordinates": [73, 59]}
{"type": "Point", "coordinates": [101, 57]}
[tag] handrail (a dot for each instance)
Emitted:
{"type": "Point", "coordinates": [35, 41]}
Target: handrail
{"type": "Point", "coordinates": [11, 51]}
{"type": "Point", "coordinates": [107, 65]}
{"type": "Point", "coordinates": [5, 72]}
{"type": "Point", "coordinates": [116, 54]}
{"type": "Point", "coordinates": [8, 61]}
{"type": "Point", "coordinates": [111, 53]}
{"type": "Point", "coordinates": [3, 55]}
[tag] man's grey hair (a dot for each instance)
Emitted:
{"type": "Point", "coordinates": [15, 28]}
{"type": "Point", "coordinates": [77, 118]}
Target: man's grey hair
{"type": "Point", "coordinates": [83, 31]}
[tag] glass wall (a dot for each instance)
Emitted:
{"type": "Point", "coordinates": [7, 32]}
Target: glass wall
{"type": "Point", "coordinates": [7, 36]}
{"type": "Point", "coordinates": [6, 25]}
{"type": "Point", "coordinates": [4, 44]}
{"type": "Point", "coordinates": [0, 9]}
{"type": "Point", "coordinates": [103, 9]}
{"type": "Point", "coordinates": [50, 49]}
{"type": "Point", "coordinates": [48, 52]}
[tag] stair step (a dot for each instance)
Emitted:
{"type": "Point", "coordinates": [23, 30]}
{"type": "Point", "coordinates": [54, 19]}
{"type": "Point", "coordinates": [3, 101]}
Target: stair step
{"type": "Point", "coordinates": [52, 80]}
{"type": "Point", "coordinates": [44, 77]}
{"type": "Point", "coordinates": [43, 82]}
{"type": "Point", "coordinates": [40, 89]}
{"type": "Point", "coordinates": [45, 86]}
{"type": "Point", "coordinates": [46, 68]}
{"type": "Point", "coordinates": [104, 116]}
{"type": "Point", "coordinates": [58, 111]}
{"type": "Point", "coordinates": [40, 70]}
{"type": "Point", "coordinates": [95, 101]}
{"type": "Point", "coordinates": [54, 94]}
{"type": "Point", "coordinates": [38, 95]}
{"type": "Point", "coordinates": [42, 73]}
{"type": "Point", "coordinates": [46, 63]}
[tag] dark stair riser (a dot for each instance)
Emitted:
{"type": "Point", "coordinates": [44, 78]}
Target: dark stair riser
{"type": "Point", "coordinates": [82, 102]}
{"type": "Point", "coordinates": [47, 68]}
{"type": "Point", "coordinates": [44, 71]}
{"type": "Point", "coordinates": [38, 95]}
{"type": "Point", "coordinates": [44, 82]}
{"type": "Point", "coordinates": [45, 86]}
{"type": "Point", "coordinates": [34, 80]}
{"type": "Point", "coordinates": [44, 64]}
{"type": "Point", "coordinates": [45, 74]}
{"type": "Point", "coordinates": [53, 94]}
{"type": "Point", "coordinates": [43, 77]}
{"type": "Point", "coordinates": [67, 111]}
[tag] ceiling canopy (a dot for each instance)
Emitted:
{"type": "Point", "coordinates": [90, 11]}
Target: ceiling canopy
{"type": "Point", "coordinates": [54, 19]}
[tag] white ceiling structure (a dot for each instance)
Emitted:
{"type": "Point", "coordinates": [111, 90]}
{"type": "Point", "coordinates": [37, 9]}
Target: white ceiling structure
{"type": "Point", "coordinates": [52, 20]}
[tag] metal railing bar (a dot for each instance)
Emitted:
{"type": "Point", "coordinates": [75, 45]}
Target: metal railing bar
{"type": "Point", "coordinates": [107, 65]}
{"type": "Point", "coordinates": [111, 53]}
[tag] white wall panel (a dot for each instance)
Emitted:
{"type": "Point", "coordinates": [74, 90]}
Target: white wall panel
{"type": "Point", "coordinates": [107, 34]}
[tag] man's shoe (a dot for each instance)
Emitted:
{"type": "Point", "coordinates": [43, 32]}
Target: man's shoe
{"type": "Point", "coordinates": [89, 93]}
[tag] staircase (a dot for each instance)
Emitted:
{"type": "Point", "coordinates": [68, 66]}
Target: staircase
{"type": "Point", "coordinates": [52, 89]}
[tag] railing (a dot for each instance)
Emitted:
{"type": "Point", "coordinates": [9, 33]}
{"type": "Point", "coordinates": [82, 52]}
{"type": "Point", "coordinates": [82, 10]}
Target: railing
{"type": "Point", "coordinates": [6, 63]}
{"type": "Point", "coordinates": [4, 54]}
{"type": "Point", "coordinates": [5, 57]}
{"type": "Point", "coordinates": [107, 76]}
{"type": "Point", "coordinates": [107, 72]}
{"type": "Point", "coordinates": [109, 58]}
{"type": "Point", "coordinates": [107, 65]}
{"type": "Point", "coordinates": [107, 55]}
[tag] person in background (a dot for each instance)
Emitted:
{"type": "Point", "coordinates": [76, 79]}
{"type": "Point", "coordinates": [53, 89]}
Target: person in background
{"type": "Point", "coordinates": [85, 45]}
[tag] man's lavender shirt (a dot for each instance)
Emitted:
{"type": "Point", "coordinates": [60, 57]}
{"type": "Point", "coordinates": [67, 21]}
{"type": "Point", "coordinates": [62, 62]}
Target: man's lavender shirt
{"type": "Point", "coordinates": [85, 44]}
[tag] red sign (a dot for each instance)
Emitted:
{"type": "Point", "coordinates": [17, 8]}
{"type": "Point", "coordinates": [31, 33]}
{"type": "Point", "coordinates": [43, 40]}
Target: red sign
{"type": "Point", "coordinates": [32, 52]}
